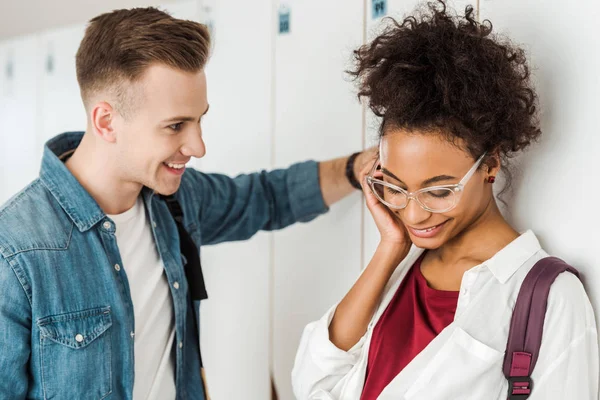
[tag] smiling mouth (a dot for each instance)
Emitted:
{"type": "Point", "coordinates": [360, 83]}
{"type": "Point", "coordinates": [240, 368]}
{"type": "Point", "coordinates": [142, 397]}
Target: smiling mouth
{"type": "Point", "coordinates": [177, 169]}
{"type": "Point", "coordinates": [427, 232]}
{"type": "Point", "coordinates": [175, 166]}
{"type": "Point", "coordinates": [428, 229]}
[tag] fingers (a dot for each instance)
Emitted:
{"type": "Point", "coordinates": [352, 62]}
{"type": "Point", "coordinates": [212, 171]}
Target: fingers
{"type": "Point", "coordinates": [370, 197]}
{"type": "Point", "coordinates": [365, 159]}
{"type": "Point", "coordinates": [364, 171]}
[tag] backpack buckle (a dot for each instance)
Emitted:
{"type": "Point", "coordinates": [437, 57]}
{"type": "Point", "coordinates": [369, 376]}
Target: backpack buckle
{"type": "Point", "coordinates": [519, 387]}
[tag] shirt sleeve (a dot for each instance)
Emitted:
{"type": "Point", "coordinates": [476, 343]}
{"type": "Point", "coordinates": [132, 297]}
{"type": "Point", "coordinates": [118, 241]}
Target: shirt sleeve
{"type": "Point", "coordinates": [567, 367]}
{"type": "Point", "coordinates": [320, 367]}
{"type": "Point", "coordinates": [15, 335]}
{"type": "Point", "coordinates": [230, 209]}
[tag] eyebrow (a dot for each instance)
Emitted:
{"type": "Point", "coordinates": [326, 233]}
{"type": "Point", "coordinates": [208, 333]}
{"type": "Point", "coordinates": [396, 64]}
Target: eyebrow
{"type": "Point", "coordinates": [435, 179]}
{"type": "Point", "coordinates": [185, 118]}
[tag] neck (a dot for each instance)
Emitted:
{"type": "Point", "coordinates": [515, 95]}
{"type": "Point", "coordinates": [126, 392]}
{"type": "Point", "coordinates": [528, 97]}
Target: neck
{"type": "Point", "coordinates": [97, 171]}
{"type": "Point", "coordinates": [480, 241]}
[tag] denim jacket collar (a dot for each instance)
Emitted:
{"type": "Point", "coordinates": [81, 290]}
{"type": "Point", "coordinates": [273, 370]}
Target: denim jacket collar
{"type": "Point", "coordinates": [79, 205]}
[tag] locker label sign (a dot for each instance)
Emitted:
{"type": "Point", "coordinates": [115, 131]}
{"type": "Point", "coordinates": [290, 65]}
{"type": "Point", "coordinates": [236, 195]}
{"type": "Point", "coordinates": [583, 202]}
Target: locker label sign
{"type": "Point", "coordinates": [207, 17]}
{"type": "Point", "coordinates": [284, 20]}
{"type": "Point", "coordinates": [9, 70]}
{"type": "Point", "coordinates": [379, 8]}
{"type": "Point", "coordinates": [210, 25]}
{"type": "Point", "coordinates": [50, 64]}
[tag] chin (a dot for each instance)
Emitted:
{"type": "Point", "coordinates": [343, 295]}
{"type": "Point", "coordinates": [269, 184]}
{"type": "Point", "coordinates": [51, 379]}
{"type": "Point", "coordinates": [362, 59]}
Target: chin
{"type": "Point", "coordinates": [168, 191]}
{"type": "Point", "coordinates": [164, 190]}
{"type": "Point", "coordinates": [430, 243]}
{"type": "Point", "coordinates": [427, 244]}
{"type": "Point", "coordinates": [433, 240]}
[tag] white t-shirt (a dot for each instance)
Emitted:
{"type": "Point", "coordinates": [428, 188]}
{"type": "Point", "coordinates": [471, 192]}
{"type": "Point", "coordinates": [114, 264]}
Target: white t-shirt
{"type": "Point", "coordinates": [152, 305]}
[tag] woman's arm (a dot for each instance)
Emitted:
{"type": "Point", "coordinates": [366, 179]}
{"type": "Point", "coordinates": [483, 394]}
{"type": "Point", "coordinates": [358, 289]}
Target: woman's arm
{"type": "Point", "coordinates": [355, 311]}
{"type": "Point", "coordinates": [568, 363]}
{"type": "Point", "coordinates": [331, 347]}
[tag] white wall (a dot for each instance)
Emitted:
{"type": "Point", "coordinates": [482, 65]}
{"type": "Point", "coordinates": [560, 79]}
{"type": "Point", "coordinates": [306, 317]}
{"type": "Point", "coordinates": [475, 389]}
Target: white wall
{"type": "Point", "coordinates": [555, 190]}
{"type": "Point", "coordinates": [280, 98]}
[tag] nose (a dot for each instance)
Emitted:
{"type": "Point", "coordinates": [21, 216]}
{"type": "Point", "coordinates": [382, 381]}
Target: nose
{"type": "Point", "coordinates": [194, 145]}
{"type": "Point", "coordinates": [413, 214]}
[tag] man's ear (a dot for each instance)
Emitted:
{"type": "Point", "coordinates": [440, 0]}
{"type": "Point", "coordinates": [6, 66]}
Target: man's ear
{"type": "Point", "coordinates": [102, 117]}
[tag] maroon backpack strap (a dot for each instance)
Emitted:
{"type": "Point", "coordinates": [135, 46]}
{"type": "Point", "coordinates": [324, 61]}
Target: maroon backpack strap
{"type": "Point", "coordinates": [527, 325]}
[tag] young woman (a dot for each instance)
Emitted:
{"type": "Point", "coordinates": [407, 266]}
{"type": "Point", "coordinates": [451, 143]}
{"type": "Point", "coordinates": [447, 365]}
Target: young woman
{"type": "Point", "coordinates": [429, 316]}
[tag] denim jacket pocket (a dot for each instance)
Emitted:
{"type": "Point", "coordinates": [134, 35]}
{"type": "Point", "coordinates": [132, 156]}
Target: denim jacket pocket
{"type": "Point", "coordinates": [75, 354]}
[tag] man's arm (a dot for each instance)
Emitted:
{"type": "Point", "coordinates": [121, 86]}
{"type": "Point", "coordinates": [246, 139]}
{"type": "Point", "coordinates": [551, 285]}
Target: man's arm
{"type": "Point", "coordinates": [15, 335]}
{"type": "Point", "coordinates": [230, 209]}
{"type": "Point", "coordinates": [332, 175]}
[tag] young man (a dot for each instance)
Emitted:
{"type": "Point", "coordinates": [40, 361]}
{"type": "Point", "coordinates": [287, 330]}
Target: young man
{"type": "Point", "coordinates": [95, 302]}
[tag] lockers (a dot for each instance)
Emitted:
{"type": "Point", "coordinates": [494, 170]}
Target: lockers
{"type": "Point", "coordinates": [61, 108]}
{"type": "Point", "coordinates": [237, 133]}
{"type": "Point", "coordinates": [19, 88]}
{"type": "Point", "coordinates": [317, 116]}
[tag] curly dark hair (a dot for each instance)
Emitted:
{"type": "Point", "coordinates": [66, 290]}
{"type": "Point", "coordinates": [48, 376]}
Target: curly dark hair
{"type": "Point", "coordinates": [437, 72]}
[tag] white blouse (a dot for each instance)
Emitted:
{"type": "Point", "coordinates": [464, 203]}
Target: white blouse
{"type": "Point", "coordinates": [465, 360]}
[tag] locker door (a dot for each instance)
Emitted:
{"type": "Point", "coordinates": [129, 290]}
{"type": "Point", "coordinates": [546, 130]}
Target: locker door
{"type": "Point", "coordinates": [61, 105]}
{"type": "Point", "coordinates": [317, 116]}
{"type": "Point", "coordinates": [554, 191]}
{"type": "Point", "coordinates": [235, 318]}
{"type": "Point", "coordinates": [397, 9]}
{"type": "Point", "coordinates": [19, 162]}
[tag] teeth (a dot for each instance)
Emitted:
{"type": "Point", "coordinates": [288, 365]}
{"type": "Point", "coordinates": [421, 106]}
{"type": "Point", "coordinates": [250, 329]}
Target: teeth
{"type": "Point", "coordinates": [428, 229]}
{"type": "Point", "coordinates": [176, 166]}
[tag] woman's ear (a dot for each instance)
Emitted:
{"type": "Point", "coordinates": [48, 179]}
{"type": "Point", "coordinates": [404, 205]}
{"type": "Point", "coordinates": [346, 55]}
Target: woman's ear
{"type": "Point", "coordinates": [493, 163]}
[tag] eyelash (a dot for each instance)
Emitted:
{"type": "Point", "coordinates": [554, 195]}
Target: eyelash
{"type": "Point", "coordinates": [392, 191]}
{"type": "Point", "coordinates": [176, 127]}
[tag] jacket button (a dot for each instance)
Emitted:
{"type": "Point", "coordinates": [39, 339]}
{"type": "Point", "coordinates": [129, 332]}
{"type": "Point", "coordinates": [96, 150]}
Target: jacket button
{"type": "Point", "coordinates": [107, 225]}
{"type": "Point", "coordinates": [176, 285]}
{"type": "Point", "coordinates": [79, 338]}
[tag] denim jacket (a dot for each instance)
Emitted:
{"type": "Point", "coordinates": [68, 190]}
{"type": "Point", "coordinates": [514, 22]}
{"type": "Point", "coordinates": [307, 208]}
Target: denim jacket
{"type": "Point", "coordinates": [66, 315]}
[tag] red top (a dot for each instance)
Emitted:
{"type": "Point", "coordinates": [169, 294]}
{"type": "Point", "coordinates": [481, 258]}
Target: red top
{"type": "Point", "coordinates": [415, 316]}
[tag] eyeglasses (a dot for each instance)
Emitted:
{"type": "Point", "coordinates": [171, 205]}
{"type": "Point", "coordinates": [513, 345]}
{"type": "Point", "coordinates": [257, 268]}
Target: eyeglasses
{"type": "Point", "coordinates": [435, 199]}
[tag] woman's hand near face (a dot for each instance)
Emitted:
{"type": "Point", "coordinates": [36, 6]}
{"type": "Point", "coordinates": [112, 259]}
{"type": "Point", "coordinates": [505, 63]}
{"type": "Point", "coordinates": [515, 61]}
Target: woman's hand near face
{"type": "Point", "coordinates": [393, 232]}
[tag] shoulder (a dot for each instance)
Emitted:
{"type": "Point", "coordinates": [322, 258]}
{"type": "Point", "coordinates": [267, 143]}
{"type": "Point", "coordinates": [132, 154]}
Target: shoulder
{"type": "Point", "coordinates": [570, 338]}
{"type": "Point", "coordinates": [569, 302]}
{"type": "Point", "coordinates": [31, 220]}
